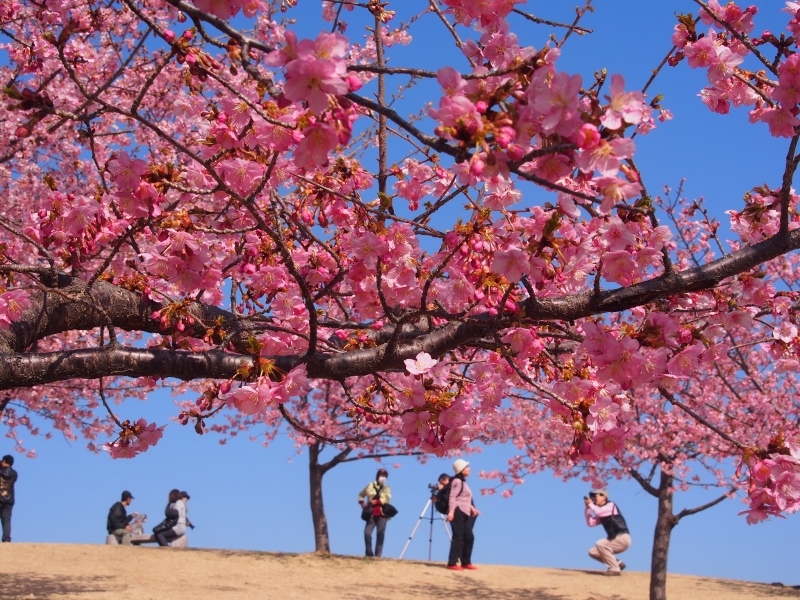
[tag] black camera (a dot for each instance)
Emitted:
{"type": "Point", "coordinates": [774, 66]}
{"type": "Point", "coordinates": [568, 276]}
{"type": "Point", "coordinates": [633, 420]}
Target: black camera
{"type": "Point", "coordinates": [433, 487]}
{"type": "Point", "coordinates": [592, 496]}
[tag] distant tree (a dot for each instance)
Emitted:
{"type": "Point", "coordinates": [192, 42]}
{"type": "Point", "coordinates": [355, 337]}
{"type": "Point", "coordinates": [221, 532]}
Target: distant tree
{"type": "Point", "coordinates": [698, 431]}
{"type": "Point", "coordinates": [321, 424]}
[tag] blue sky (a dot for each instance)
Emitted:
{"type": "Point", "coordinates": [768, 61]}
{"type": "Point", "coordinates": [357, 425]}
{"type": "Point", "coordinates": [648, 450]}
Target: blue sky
{"type": "Point", "coordinates": [245, 496]}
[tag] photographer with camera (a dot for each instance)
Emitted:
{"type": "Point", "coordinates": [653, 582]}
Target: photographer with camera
{"type": "Point", "coordinates": [601, 511]}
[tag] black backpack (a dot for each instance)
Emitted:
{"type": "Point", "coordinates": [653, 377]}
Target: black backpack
{"type": "Point", "coordinates": [442, 501]}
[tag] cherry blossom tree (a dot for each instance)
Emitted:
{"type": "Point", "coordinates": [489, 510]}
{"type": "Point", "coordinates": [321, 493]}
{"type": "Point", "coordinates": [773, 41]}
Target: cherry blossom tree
{"type": "Point", "coordinates": [196, 191]}
{"type": "Point", "coordinates": [687, 432]}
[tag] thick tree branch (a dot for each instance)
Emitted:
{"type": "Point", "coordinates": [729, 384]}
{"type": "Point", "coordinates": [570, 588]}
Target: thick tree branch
{"type": "Point", "coordinates": [53, 312]}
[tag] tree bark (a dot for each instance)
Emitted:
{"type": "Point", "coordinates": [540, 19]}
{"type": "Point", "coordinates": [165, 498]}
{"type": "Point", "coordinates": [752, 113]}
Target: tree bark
{"type": "Point", "coordinates": [665, 522]}
{"type": "Point", "coordinates": [322, 543]}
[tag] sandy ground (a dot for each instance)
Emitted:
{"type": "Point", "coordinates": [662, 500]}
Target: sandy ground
{"type": "Point", "coordinates": [37, 571]}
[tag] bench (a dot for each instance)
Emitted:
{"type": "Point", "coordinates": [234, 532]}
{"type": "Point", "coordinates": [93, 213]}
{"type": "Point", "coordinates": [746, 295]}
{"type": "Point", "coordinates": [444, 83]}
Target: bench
{"type": "Point", "coordinates": [138, 539]}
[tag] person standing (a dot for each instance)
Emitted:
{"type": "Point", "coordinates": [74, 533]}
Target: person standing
{"type": "Point", "coordinates": [601, 511]}
{"type": "Point", "coordinates": [461, 514]}
{"type": "Point", "coordinates": [118, 523]}
{"type": "Point", "coordinates": [8, 477]}
{"type": "Point", "coordinates": [376, 494]}
{"type": "Point", "coordinates": [176, 511]}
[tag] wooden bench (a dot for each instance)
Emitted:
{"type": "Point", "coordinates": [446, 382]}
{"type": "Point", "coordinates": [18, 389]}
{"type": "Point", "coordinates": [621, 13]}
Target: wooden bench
{"type": "Point", "coordinates": [144, 538]}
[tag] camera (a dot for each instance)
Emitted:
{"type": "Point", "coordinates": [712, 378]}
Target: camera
{"type": "Point", "coordinates": [592, 496]}
{"type": "Point", "coordinates": [433, 487]}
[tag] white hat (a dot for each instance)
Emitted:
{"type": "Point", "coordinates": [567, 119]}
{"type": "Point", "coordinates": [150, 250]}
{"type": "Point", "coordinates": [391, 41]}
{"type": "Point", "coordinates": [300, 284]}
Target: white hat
{"type": "Point", "coordinates": [459, 465]}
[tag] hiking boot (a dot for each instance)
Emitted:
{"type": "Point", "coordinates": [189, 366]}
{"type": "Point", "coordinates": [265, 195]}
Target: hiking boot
{"type": "Point", "coordinates": [470, 566]}
{"type": "Point", "coordinates": [455, 568]}
{"type": "Point", "coordinates": [612, 573]}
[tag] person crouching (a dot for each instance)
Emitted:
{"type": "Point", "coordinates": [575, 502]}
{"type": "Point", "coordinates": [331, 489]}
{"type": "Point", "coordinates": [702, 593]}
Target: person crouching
{"type": "Point", "coordinates": [601, 511]}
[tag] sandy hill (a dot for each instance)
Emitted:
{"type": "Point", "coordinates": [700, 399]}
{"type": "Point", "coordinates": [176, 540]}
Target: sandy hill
{"type": "Point", "coordinates": [65, 571]}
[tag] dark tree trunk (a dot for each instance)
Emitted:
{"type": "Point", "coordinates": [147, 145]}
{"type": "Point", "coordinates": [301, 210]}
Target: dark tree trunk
{"type": "Point", "coordinates": [322, 543]}
{"type": "Point", "coordinates": [665, 522]}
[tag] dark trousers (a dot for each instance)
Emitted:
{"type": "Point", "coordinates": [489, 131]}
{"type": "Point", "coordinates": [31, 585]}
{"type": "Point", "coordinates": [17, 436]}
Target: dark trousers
{"type": "Point", "coordinates": [165, 537]}
{"type": "Point", "coordinates": [463, 539]}
{"type": "Point", "coordinates": [5, 517]}
{"type": "Point", "coordinates": [380, 522]}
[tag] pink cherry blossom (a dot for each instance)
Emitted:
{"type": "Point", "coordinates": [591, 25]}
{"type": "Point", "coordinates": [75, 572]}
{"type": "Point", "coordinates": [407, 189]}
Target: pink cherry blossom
{"type": "Point", "coordinates": [786, 332]}
{"type": "Point", "coordinates": [127, 172]}
{"type": "Point", "coordinates": [421, 364]}
{"type": "Point", "coordinates": [623, 107]}
{"type": "Point", "coordinates": [685, 362]}
{"type": "Point", "coordinates": [513, 264]}
{"type": "Point", "coordinates": [312, 151]}
{"type": "Point", "coordinates": [313, 80]}
{"type": "Point", "coordinates": [702, 53]}
{"type": "Point", "coordinates": [781, 122]}
{"type": "Point", "coordinates": [12, 305]}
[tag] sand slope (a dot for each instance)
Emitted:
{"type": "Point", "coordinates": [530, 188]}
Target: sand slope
{"type": "Point", "coordinates": [64, 571]}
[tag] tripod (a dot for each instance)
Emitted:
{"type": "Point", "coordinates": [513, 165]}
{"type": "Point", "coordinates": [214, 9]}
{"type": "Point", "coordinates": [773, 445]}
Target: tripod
{"type": "Point", "coordinates": [423, 517]}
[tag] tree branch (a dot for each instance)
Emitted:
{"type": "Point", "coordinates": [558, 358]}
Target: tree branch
{"type": "Point", "coordinates": [691, 511]}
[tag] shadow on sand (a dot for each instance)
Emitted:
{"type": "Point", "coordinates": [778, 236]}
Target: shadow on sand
{"type": "Point", "coordinates": [477, 590]}
{"type": "Point", "coordinates": [773, 590]}
{"type": "Point", "coordinates": [32, 586]}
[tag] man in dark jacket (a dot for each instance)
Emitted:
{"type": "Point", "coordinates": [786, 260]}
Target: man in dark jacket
{"type": "Point", "coordinates": [8, 477]}
{"type": "Point", "coordinates": [119, 521]}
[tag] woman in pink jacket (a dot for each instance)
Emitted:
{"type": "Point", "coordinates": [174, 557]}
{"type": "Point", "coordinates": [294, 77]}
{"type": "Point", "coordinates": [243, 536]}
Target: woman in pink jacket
{"type": "Point", "coordinates": [601, 511]}
{"type": "Point", "coordinates": [462, 514]}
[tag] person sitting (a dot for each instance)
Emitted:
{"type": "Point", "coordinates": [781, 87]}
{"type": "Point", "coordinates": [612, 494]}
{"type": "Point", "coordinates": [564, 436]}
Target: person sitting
{"type": "Point", "coordinates": [118, 523]}
{"type": "Point", "coordinates": [185, 497]}
{"type": "Point", "coordinates": [176, 514]}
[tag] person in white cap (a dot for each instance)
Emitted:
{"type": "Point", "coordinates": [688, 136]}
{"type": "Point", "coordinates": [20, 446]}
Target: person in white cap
{"type": "Point", "coordinates": [601, 511]}
{"type": "Point", "coordinates": [461, 514]}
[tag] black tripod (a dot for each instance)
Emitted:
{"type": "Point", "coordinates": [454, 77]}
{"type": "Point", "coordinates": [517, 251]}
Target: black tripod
{"type": "Point", "coordinates": [430, 518]}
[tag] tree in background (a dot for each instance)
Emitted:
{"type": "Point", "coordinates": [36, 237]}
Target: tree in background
{"type": "Point", "coordinates": [222, 186]}
{"type": "Point", "coordinates": [685, 432]}
{"type": "Point", "coordinates": [319, 420]}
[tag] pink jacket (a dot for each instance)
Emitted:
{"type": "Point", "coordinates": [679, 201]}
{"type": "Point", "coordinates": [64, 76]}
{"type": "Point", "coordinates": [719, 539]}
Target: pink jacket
{"type": "Point", "coordinates": [460, 496]}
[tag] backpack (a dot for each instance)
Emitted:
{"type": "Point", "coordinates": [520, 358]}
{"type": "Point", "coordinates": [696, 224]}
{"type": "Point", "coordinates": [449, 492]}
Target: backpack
{"type": "Point", "coordinates": [442, 501]}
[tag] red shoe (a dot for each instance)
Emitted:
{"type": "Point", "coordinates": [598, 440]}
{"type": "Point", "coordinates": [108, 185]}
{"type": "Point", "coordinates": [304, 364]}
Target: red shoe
{"type": "Point", "coordinates": [455, 568]}
{"type": "Point", "coordinates": [470, 566]}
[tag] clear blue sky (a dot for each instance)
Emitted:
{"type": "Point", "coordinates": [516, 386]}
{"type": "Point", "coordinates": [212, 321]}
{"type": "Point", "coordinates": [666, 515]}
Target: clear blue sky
{"type": "Point", "coordinates": [245, 496]}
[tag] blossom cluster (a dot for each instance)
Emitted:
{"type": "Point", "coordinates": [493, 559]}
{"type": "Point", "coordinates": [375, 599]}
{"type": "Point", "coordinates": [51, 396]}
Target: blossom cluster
{"type": "Point", "coordinates": [722, 52]}
{"type": "Point", "coordinates": [774, 486]}
{"type": "Point", "coordinates": [134, 439]}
